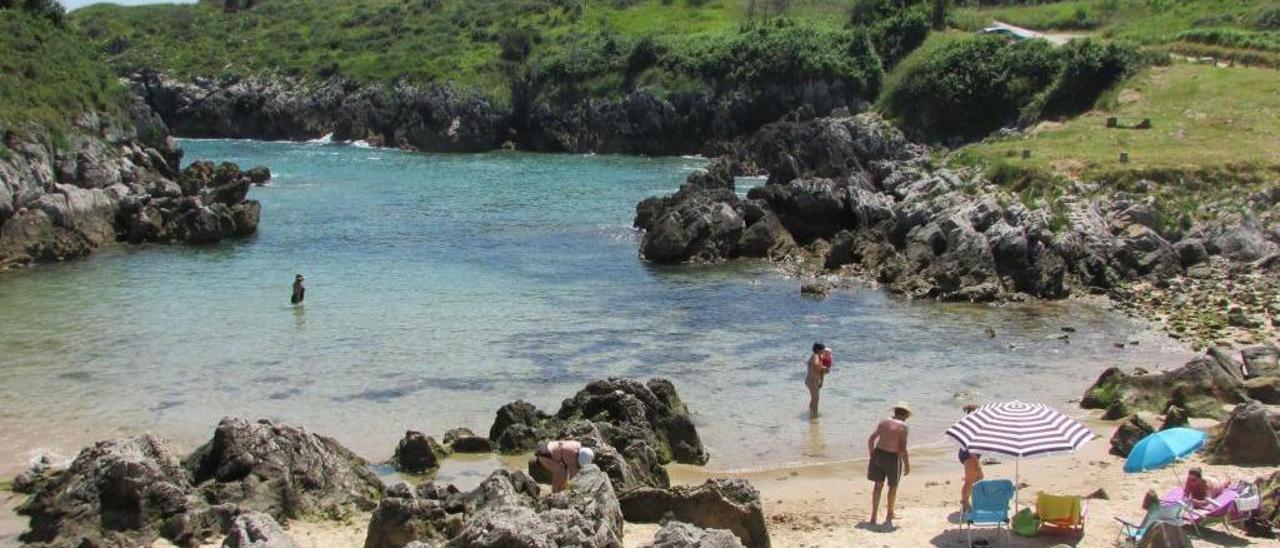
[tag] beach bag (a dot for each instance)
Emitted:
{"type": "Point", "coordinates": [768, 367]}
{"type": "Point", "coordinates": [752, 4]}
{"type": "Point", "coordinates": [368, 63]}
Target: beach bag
{"type": "Point", "coordinates": [1248, 501]}
{"type": "Point", "coordinates": [1026, 523]}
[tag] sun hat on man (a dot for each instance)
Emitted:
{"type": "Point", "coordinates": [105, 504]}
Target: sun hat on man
{"type": "Point", "coordinates": [906, 409]}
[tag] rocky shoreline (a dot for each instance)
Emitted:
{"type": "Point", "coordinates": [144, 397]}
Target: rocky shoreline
{"type": "Point", "coordinates": [849, 196]}
{"type": "Point", "coordinates": [439, 118]}
{"type": "Point", "coordinates": [65, 194]}
{"type": "Point", "coordinates": [251, 477]}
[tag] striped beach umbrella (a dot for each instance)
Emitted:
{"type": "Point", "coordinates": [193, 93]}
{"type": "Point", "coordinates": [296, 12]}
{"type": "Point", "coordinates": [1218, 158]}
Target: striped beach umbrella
{"type": "Point", "coordinates": [1019, 430]}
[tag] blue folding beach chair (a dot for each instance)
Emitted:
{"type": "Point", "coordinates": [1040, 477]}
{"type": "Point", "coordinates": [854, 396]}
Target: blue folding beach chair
{"type": "Point", "coordinates": [990, 506]}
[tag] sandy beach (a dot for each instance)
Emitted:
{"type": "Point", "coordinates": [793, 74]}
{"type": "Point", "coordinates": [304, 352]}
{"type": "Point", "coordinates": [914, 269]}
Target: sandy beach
{"type": "Point", "coordinates": [828, 505]}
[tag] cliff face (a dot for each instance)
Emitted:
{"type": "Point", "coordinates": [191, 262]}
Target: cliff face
{"type": "Point", "coordinates": [437, 118]}
{"type": "Point", "coordinates": [65, 193]}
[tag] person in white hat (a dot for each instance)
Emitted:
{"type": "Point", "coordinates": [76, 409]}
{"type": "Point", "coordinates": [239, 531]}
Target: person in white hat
{"type": "Point", "coordinates": [889, 460]}
{"type": "Point", "coordinates": [563, 459]}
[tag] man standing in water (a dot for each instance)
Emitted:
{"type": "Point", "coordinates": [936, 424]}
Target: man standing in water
{"type": "Point", "coordinates": [299, 292]}
{"type": "Point", "coordinates": [815, 370]}
{"type": "Point", "coordinates": [889, 460]}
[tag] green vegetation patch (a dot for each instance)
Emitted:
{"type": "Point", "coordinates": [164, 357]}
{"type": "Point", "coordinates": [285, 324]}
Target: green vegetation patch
{"type": "Point", "coordinates": [963, 87]}
{"type": "Point", "coordinates": [50, 74]}
{"type": "Point", "coordinates": [1200, 116]}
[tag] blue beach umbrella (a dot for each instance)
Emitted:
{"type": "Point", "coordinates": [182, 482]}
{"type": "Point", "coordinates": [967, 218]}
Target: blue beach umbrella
{"type": "Point", "coordinates": [1163, 448]}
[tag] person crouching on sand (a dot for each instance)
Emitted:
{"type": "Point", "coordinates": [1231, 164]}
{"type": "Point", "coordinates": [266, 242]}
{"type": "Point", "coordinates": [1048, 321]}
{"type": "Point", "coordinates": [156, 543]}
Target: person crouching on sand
{"type": "Point", "coordinates": [889, 459]}
{"type": "Point", "coordinates": [563, 459]}
{"type": "Point", "coordinates": [972, 469]}
{"type": "Point", "coordinates": [816, 368]}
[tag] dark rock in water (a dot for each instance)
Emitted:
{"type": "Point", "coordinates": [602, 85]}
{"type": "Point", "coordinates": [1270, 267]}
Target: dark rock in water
{"type": "Point", "coordinates": [515, 429]}
{"type": "Point", "coordinates": [462, 440]}
{"type": "Point", "coordinates": [1128, 434]}
{"type": "Point", "coordinates": [116, 493]}
{"type": "Point", "coordinates": [731, 504]}
{"type": "Point", "coordinates": [675, 534]}
{"type": "Point", "coordinates": [257, 530]}
{"type": "Point", "coordinates": [418, 453]}
{"type": "Point", "coordinates": [1248, 438]}
{"type": "Point", "coordinates": [1174, 417]}
{"type": "Point", "coordinates": [817, 288]}
{"type": "Point", "coordinates": [698, 225]}
{"type": "Point", "coordinates": [766, 238]}
{"type": "Point", "coordinates": [283, 471]}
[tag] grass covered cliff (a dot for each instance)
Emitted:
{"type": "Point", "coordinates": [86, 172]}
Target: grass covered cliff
{"type": "Point", "coordinates": [51, 75]}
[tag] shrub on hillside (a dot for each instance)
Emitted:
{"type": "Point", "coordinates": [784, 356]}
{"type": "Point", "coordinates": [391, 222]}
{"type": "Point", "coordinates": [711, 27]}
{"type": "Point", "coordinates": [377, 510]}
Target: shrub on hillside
{"type": "Point", "coordinates": [51, 10]}
{"type": "Point", "coordinates": [1267, 17]}
{"type": "Point", "coordinates": [1088, 68]}
{"type": "Point", "coordinates": [966, 88]}
{"type": "Point", "coordinates": [895, 27]}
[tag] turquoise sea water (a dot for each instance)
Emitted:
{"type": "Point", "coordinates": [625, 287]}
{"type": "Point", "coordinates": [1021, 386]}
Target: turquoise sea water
{"type": "Point", "coordinates": [442, 286]}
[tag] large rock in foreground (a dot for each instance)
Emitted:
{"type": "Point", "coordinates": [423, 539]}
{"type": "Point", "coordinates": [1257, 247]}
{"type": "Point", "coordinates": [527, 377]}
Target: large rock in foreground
{"type": "Point", "coordinates": [117, 493]}
{"type": "Point", "coordinates": [676, 534]}
{"type": "Point", "coordinates": [731, 504]}
{"type": "Point", "coordinates": [1250, 437]}
{"type": "Point", "coordinates": [257, 530]}
{"type": "Point", "coordinates": [506, 510]}
{"type": "Point", "coordinates": [281, 470]}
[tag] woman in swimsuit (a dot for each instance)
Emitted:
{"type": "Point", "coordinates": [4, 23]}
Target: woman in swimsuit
{"type": "Point", "coordinates": [972, 469]}
{"type": "Point", "coordinates": [815, 370]}
{"type": "Point", "coordinates": [563, 459]}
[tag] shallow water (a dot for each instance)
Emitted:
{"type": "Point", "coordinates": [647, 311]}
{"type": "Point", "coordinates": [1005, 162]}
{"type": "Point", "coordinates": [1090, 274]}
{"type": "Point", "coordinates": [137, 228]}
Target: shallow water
{"type": "Point", "coordinates": [442, 286]}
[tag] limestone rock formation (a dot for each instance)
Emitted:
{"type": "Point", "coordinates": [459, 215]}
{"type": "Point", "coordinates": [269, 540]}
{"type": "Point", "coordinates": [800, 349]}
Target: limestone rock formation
{"type": "Point", "coordinates": [283, 471]}
{"type": "Point", "coordinates": [675, 534]}
{"type": "Point", "coordinates": [730, 504]}
{"type": "Point", "coordinates": [1249, 437]}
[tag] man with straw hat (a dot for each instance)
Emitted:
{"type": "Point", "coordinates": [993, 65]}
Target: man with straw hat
{"type": "Point", "coordinates": [889, 460]}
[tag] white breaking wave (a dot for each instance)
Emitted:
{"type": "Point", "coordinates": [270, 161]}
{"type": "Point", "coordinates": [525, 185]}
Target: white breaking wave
{"type": "Point", "coordinates": [326, 139]}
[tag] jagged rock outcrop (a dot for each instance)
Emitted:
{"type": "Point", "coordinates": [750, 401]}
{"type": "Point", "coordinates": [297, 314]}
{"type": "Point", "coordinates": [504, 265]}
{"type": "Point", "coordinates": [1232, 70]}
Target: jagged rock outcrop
{"type": "Point", "coordinates": [125, 492]}
{"type": "Point", "coordinates": [281, 470]}
{"type": "Point", "coordinates": [439, 118]}
{"type": "Point", "coordinates": [63, 197]}
{"type": "Point", "coordinates": [866, 202]}
{"type": "Point", "coordinates": [257, 530]}
{"type": "Point", "coordinates": [463, 440]}
{"type": "Point", "coordinates": [1128, 434]}
{"type": "Point", "coordinates": [675, 534]}
{"type": "Point", "coordinates": [1200, 387]}
{"type": "Point", "coordinates": [505, 510]}
{"type": "Point", "coordinates": [635, 428]}
{"type": "Point", "coordinates": [418, 453]}
{"type": "Point", "coordinates": [1249, 437]}
{"type": "Point", "coordinates": [730, 504]}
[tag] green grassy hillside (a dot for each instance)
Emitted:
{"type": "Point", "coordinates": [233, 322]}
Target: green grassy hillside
{"type": "Point", "coordinates": [49, 74]}
{"type": "Point", "coordinates": [1246, 30]}
{"type": "Point", "coordinates": [476, 44]}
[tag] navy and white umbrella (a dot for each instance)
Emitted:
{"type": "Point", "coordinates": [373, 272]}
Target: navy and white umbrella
{"type": "Point", "coordinates": [1019, 430]}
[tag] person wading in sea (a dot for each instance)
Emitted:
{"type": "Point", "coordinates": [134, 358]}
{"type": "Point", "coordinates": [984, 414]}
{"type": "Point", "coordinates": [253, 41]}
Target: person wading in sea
{"type": "Point", "coordinates": [563, 459]}
{"type": "Point", "coordinates": [889, 459]}
{"type": "Point", "coordinates": [816, 368]}
{"type": "Point", "coordinates": [299, 292]}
